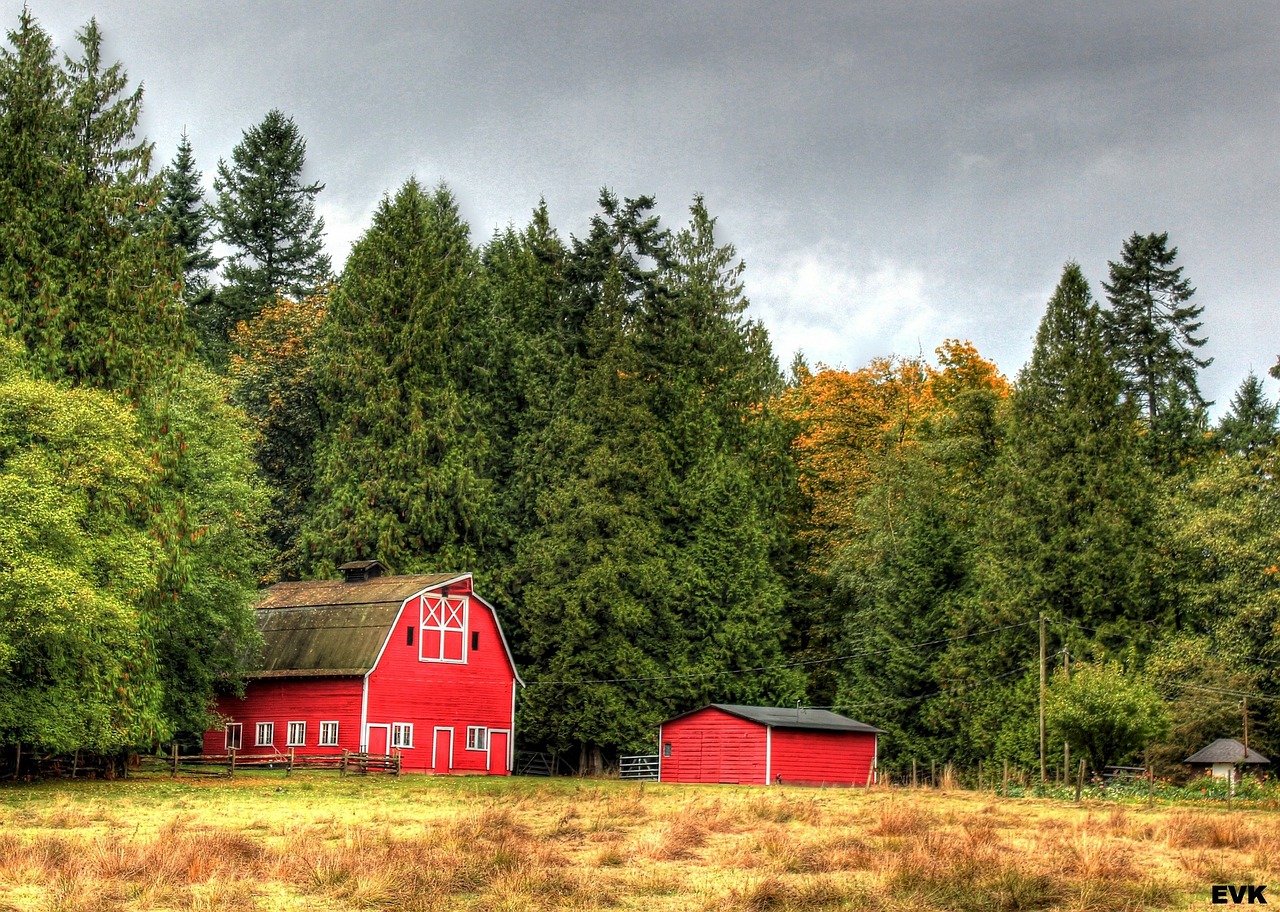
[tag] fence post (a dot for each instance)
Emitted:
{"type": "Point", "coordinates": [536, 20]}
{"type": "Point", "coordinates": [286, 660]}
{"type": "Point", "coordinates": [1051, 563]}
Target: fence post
{"type": "Point", "coordinates": [933, 773]}
{"type": "Point", "coordinates": [288, 764]}
{"type": "Point", "coordinates": [1006, 778]}
{"type": "Point", "coordinates": [175, 760]}
{"type": "Point", "coordinates": [1080, 781]}
{"type": "Point", "coordinates": [913, 772]}
{"type": "Point", "coordinates": [343, 765]}
{"type": "Point", "coordinates": [231, 768]}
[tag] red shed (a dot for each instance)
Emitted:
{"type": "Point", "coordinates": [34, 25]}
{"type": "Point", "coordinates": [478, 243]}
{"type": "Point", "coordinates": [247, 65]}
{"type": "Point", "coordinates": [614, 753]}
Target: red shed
{"type": "Point", "coordinates": [760, 745]}
{"type": "Point", "coordinates": [417, 664]}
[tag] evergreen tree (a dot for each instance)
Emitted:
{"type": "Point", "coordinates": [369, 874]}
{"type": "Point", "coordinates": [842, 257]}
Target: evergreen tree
{"type": "Point", "coordinates": [190, 231]}
{"type": "Point", "coordinates": [86, 277]}
{"type": "Point", "coordinates": [400, 374]}
{"type": "Point", "coordinates": [1069, 533]}
{"type": "Point", "coordinates": [653, 477]}
{"type": "Point", "coordinates": [1253, 421]}
{"type": "Point", "coordinates": [1151, 326]}
{"type": "Point", "coordinates": [907, 575]}
{"type": "Point", "coordinates": [273, 380]}
{"type": "Point", "coordinates": [268, 217]}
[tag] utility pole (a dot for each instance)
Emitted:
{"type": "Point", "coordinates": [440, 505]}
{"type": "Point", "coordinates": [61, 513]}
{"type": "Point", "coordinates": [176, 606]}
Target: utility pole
{"type": "Point", "coordinates": [1044, 677]}
{"type": "Point", "coordinates": [1066, 748]}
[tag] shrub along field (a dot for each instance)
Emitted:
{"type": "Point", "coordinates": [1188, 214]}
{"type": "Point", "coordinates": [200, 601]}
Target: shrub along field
{"type": "Point", "coordinates": [319, 842]}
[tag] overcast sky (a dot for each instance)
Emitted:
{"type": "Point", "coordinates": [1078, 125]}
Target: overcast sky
{"type": "Point", "coordinates": [893, 174]}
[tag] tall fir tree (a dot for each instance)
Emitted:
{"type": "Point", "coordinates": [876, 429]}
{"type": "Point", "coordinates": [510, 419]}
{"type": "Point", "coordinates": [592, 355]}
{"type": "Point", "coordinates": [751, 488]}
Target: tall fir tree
{"type": "Point", "coordinates": [190, 230]}
{"type": "Point", "coordinates": [86, 277]}
{"type": "Point", "coordinates": [653, 479]}
{"type": "Point", "coordinates": [268, 217]}
{"type": "Point", "coordinates": [273, 379]}
{"type": "Point", "coordinates": [1151, 328]}
{"type": "Point", "coordinates": [1253, 421]}
{"type": "Point", "coordinates": [1069, 531]}
{"type": "Point", "coordinates": [402, 464]}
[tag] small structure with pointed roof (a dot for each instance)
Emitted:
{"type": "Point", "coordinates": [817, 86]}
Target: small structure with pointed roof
{"type": "Point", "coordinates": [1223, 756]}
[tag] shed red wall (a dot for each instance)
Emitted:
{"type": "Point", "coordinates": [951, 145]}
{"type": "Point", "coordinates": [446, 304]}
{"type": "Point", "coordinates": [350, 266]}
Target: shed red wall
{"type": "Point", "coordinates": [285, 700]}
{"type": "Point", "coordinates": [432, 695]}
{"type": "Point", "coordinates": [822, 757]}
{"type": "Point", "coordinates": [713, 746]}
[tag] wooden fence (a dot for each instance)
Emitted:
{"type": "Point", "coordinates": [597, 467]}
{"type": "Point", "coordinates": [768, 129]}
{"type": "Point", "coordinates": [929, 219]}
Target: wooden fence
{"type": "Point", "coordinates": [226, 764]}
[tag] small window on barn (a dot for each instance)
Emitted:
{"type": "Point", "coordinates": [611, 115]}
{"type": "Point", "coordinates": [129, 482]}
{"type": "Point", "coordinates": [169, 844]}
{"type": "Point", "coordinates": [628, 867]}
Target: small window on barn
{"type": "Point", "coordinates": [444, 629]}
{"type": "Point", "coordinates": [666, 749]}
{"type": "Point", "coordinates": [402, 734]}
{"type": "Point", "coordinates": [297, 734]}
{"type": "Point", "coordinates": [328, 734]}
{"type": "Point", "coordinates": [235, 731]}
{"type": "Point", "coordinates": [408, 636]}
{"type": "Point", "coordinates": [475, 640]}
{"type": "Point", "coordinates": [266, 734]}
{"type": "Point", "coordinates": [477, 738]}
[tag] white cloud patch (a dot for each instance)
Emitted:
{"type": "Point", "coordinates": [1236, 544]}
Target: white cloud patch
{"type": "Point", "coordinates": [843, 315]}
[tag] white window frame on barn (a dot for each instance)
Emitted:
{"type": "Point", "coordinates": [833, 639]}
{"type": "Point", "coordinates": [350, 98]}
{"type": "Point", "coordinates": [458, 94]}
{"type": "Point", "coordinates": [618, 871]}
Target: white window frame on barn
{"type": "Point", "coordinates": [235, 736]}
{"type": "Point", "coordinates": [477, 738]}
{"type": "Point", "coordinates": [268, 729]}
{"type": "Point", "coordinates": [402, 734]}
{"type": "Point", "coordinates": [328, 734]}
{"type": "Point", "coordinates": [297, 734]}
{"type": "Point", "coordinates": [444, 629]}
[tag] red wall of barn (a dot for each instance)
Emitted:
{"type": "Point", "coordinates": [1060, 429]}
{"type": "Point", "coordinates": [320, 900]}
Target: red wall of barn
{"type": "Point", "coordinates": [279, 700]}
{"type": "Point", "coordinates": [713, 746]}
{"type": "Point", "coordinates": [436, 695]}
{"type": "Point", "coordinates": [822, 757]}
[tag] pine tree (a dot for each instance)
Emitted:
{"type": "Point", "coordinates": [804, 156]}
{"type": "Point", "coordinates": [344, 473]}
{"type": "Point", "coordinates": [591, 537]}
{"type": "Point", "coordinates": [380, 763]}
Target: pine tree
{"type": "Point", "coordinates": [268, 217]}
{"type": "Point", "coordinates": [86, 277]}
{"type": "Point", "coordinates": [190, 231]}
{"type": "Point", "coordinates": [1151, 326]}
{"type": "Point", "coordinates": [273, 380]}
{"type": "Point", "coordinates": [1253, 421]}
{"type": "Point", "coordinates": [1069, 532]}
{"type": "Point", "coordinates": [402, 467]}
{"type": "Point", "coordinates": [659, 470]}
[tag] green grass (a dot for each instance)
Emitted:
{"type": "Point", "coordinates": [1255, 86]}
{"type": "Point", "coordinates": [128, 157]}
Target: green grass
{"type": "Point", "coordinates": [317, 841]}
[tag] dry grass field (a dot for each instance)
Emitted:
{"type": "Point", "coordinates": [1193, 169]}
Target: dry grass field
{"type": "Point", "coordinates": [320, 842]}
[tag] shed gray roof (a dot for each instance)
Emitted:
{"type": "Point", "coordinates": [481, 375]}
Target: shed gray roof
{"type": "Point", "coordinates": [331, 627]}
{"type": "Point", "coordinates": [1226, 750]}
{"type": "Point", "coordinates": [782, 717]}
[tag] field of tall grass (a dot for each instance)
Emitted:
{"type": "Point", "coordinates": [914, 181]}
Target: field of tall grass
{"type": "Point", "coordinates": [320, 842]}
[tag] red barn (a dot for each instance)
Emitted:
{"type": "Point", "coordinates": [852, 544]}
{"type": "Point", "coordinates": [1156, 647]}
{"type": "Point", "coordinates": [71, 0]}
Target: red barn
{"type": "Point", "coordinates": [760, 745]}
{"type": "Point", "coordinates": [417, 664]}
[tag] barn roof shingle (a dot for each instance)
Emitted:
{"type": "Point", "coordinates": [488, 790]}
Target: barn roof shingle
{"type": "Point", "coordinates": [331, 627]}
{"type": "Point", "coordinates": [1226, 750]}
{"type": "Point", "coordinates": [791, 717]}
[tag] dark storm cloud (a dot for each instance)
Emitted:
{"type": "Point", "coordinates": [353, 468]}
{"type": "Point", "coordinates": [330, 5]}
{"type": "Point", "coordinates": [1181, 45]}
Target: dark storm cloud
{"type": "Point", "coordinates": [893, 173]}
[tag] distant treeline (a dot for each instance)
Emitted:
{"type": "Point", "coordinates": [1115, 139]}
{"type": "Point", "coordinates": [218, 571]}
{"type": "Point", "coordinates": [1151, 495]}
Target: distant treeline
{"type": "Point", "coordinates": [596, 428]}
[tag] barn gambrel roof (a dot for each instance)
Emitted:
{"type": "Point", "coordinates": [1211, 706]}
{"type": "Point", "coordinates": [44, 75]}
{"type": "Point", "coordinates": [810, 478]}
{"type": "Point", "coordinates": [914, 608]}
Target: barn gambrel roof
{"type": "Point", "coordinates": [789, 717]}
{"type": "Point", "coordinates": [336, 628]}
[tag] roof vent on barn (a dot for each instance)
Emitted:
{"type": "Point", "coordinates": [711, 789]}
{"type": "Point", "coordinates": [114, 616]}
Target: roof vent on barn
{"type": "Point", "coordinates": [359, 571]}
